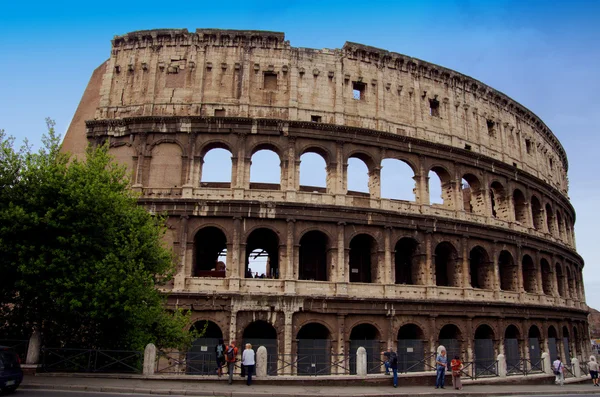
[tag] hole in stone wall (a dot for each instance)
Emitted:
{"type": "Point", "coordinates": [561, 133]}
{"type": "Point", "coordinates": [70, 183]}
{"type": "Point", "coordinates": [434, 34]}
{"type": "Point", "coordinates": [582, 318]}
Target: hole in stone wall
{"type": "Point", "coordinates": [537, 213]}
{"type": "Point", "coordinates": [467, 147]}
{"type": "Point", "coordinates": [313, 256]}
{"type": "Point", "coordinates": [405, 266]}
{"type": "Point", "coordinates": [491, 127]}
{"type": "Point", "coordinates": [528, 146]}
{"type": "Point", "coordinates": [270, 81]}
{"type": "Point", "coordinates": [434, 107]}
{"type": "Point", "coordinates": [546, 277]}
{"type": "Point", "coordinates": [219, 112]}
{"type": "Point", "coordinates": [315, 119]}
{"type": "Point", "coordinates": [358, 90]}
{"type": "Point", "coordinates": [508, 274]}
{"type": "Point", "coordinates": [481, 269]}
{"type": "Point", "coordinates": [521, 209]}
{"type": "Point", "coordinates": [362, 250]}
{"type": "Point", "coordinates": [210, 246]}
{"type": "Point", "coordinates": [262, 254]}
{"type": "Point", "coordinates": [446, 270]}
{"type": "Point", "coordinates": [529, 274]}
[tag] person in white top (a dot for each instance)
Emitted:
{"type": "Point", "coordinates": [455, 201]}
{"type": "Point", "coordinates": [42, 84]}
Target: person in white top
{"type": "Point", "coordinates": [248, 362]}
{"type": "Point", "coordinates": [593, 367]}
{"type": "Point", "coordinates": [559, 371]}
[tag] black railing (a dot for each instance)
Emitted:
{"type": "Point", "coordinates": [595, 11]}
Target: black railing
{"type": "Point", "coordinates": [569, 371]}
{"type": "Point", "coordinates": [585, 370]}
{"type": "Point", "coordinates": [91, 360]}
{"type": "Point", "coordinates": [424, 364]}
{"type": "Point", "coordinates": [478, 369]}
{"type": "Point", "coordinates": [311, 365]}
{"type": "Point", "coordinates": [523, 367]}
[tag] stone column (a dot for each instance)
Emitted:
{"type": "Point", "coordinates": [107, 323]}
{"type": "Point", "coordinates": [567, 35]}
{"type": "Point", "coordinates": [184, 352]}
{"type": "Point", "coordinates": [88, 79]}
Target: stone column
{"type": "Point", "coordinates": [341, 260]}
{"type": "Point", "coordinates": [375, 182]}
{"type": "Point", "coordinates": [341, 165]}
{"type": "Point", "coordinates": [496, 270]}
{"type": "Point", "coordinates": [433, 337]}
{"type": "Point", "coordinates": [466, 271]}
{"type": "Point", "coordinates": [430, 265]}
{"type": "Point", "coordinates": [519, 260]}
{"type": "Point", "coordinates": [339, 356]}
{"type": "Point", "coordinates": [389, 268]}
{"type": "Point", "coordinates": [538, 274]}
{"type": "Point", "coordinates": [232, 324]}
{"type": "Point", "coordinates": [469, 337]}
{"type": "Point", "coordinates": [138, 182]}
{"type": "Point", "coordinates": [236, 268]}
{"type": "Point", "coordinates": [287, 338]}
{"type": "Point", "coordinates": [240, 163]}
{"type": "Point", "coordinates": [183, 268]}
{"type": "Point", "coordinates": [290, 272]}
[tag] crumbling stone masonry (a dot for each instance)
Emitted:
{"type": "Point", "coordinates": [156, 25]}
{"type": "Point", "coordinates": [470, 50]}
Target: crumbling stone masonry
{"type": "Point", "coordinates": [495, 262]}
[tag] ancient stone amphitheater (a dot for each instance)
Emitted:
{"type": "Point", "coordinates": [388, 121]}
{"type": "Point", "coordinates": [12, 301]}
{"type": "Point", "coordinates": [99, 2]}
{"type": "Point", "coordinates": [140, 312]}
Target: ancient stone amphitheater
{"type": "Point", "coordinates": [490, 268]}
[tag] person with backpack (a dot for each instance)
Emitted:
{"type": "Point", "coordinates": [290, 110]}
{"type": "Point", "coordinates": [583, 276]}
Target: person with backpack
{"type": "Point", "coordinates": [559, 371]}
{"type": "Point", "coordinates": [456, 365]}
{"type": "Point", "coordinates": [231, 357]}
{"type": "Point", "coordinates": [391, 362]}
{"type": "Point", "coordinates": [220, 349]}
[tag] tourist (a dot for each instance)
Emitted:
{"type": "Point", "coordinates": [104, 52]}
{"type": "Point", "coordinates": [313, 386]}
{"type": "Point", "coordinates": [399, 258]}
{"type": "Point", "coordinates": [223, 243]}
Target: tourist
{"type": "Point", "coordinates": [394, 366]}
{"type": "Point", "coordinates": [220, 350]}
{"type": "Point", "coordinates": [593, 367]}
{"type": "Point", "coordinates": [386, 363]}
{"type": "Point", "coordinates": [559, 371]}
{"type": "Point", "coordinates": [441, 362]}
{"type": "Point", "coordinates": [248, 362]}
{"type": "Point", "coordinates": [231, 358]}
{"type": "Point", "coordinates": [456, 365]}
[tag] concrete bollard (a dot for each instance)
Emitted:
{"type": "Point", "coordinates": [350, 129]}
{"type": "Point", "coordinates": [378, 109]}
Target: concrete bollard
{"type": "Point", "coordinates": [261, 362]}
{"type": "Point", "coordinates": [547, 363]}
{"type": "Point", "coordinates": [149, 359]}
{"type": "Point", "coordinates": [501, 366]}
{"type": "Point", "coordinates": [576, 368]}
{"type": "Point", "coordinates": [361, 361]}
{"type": "Point", "coordinates": [33, 350]}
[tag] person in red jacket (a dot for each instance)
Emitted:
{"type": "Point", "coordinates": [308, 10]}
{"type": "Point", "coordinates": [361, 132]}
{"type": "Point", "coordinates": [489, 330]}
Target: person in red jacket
{"type": "Point", "coordinates": [231, 357]}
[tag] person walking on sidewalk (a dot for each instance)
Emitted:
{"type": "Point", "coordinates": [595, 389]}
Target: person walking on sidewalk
{"type": "Point", "coordinates": [220, 350]}
{"type": "Point", "coordinates": [394, 366]}
{"type": "Point", "coordinates": [231, 358]}
{"type": "Point", "coordinates": [559, 371]}
{"type": "Point", "coordinates": [441, 362]}
{"type": "Point", "coordinates": [248, 362]}
{"type": "Point", "coordinates": [456, 366]}
{"type": "Point", "coordinates": [593, 367]}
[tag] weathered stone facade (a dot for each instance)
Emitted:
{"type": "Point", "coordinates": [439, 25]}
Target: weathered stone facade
{"type": "Point", "coordinates": [495, 261]}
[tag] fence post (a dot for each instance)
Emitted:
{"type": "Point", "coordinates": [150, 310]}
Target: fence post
{"type": "Point", "coordinates": [261, 362]}
{"type": "Point", "coordinates": [361, 361]}
{"type": "Point", "coordinates": [149, 359]}
{"type": "Point", "coordinates": [501, 365]}
{"type": "Point", "coordinates": [547, 363]}
{"type": "Point", "coordinates": [576, 367]}
{"type": "Point", "coordinates": [33, 350]}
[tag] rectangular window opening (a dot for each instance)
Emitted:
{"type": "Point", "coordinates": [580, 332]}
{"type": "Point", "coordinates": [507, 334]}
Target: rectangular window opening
{"type": "Point", "coordinates": [219, 112]}
{"type": "Point", "coordinates": [491, 126]}
{"type": "Point", "coordinates": [315, 119]}
{"type": "Point", "coordinates": [270, 81]}
{"type": "Point", "coordinates": [434, 108]}
{"type": "Point", "coordinates": [467, 147]}
{"type": "Point", "coordinates": [528, 146]}
{"type": "Point", "coordinates": [358, 90]}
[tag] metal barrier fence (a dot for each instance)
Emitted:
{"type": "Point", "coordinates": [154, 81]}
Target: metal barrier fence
{"type": "Point", "coordinates": [422, 365]}
{"type": "Point", "coordinates": [524, 367]}
{"type": "Point", "coordinates": [311, 365]}
{"type": "Point", "coordinates": [474, 369]}
{"type": "Point", "coordinates": [18, 345]}
{"type": "Point", "coordinates": [91, 360]}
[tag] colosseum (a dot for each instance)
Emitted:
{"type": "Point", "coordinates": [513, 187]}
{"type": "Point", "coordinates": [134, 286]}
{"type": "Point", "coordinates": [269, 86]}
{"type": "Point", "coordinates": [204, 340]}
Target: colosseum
{"type": "Point", "coordinates": [488, 268]}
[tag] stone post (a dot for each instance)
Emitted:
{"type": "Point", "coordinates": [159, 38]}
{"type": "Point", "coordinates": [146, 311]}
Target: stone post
{"type": "Point", "coordinates": [547, 363]}
{"type": "Point", "coordinates": [501, 365]}
{"type": "Point", "coordinates": [33, 350]}
{"type": "Point", "coordinates": [149, 359]}
{"type": "Point", "coordinates": [576, 367]}
{"type": "Point", "coordinates": [261, 362]}
{"type": "Point", "coordinates": [361, 362]}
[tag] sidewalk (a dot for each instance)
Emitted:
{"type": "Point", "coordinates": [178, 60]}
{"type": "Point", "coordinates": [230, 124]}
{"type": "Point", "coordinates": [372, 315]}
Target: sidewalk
{"type": "Point", "coordinates": [190, 387]}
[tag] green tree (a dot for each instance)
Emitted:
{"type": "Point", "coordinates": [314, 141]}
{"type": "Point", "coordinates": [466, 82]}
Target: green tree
{"type": "Point", "coordinates": [79, 258]}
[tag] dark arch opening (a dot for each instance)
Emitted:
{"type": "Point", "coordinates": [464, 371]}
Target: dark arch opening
{"type": "Point", "coordinates": [473, 200]}
{"type": "Point", "coordinates": [210, 250]}
{"type": "Point", "coordinates": [363, 251]}
{"type": "Point", "coordinates": [407, 272]}
{"type": "Point", "coordinates": [411, 348]}
{"type": "Point", "coordinates": [411, 331]}
{"type": "Point", "coordinates": [552, 343]}
{"type": "Point", "coordinates": [262, 252]}
{"type": "Point", "coordinates": [481, 268]}
{"type": "Point", "coordinates": [498, 201]}
{"type": "Point", "coordinates": [313, 256]}
{"type": "Point", "coordinates": [446, 268]}
{"type": "Point", "coordinates": [535, 351]}
{"type": "Point", "coordinates": [537, 213]}
{"type": "Point", "coordinates": [485, 355]}
{"type": "Point", "coordinates": [314, 350]}
{"type": "Point", "coordinates": [550, 220]}
{"type": "Point", "coordinates": [511, 332]}
{"type": "Point", "coordinates": [546, 277]}
{"type": "Point", "coordinates": [261, 333]}
{"type": "Point", "coordinates": [200, 358]}
{"type": "Point", "coordinates": [508, 273]}
{"type": "Point", "coordinates": [367, 336]}
{"type": "Point", "coordinates": [313, 331]}
{"type": "Point", "coordinates": [450, 337]}
{"type": "Point", "coordinates": [484, 332]}
{"type": "Point", "coordinates": [512, 350]}
{"type": "Point", "coordinates": [561, 281]}
{"type": "Point", "coordinates": [521, 210]}
{"type": "Point", "coordinates": [529, 274]}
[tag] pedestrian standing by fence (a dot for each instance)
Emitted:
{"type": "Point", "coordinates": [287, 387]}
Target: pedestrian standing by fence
{"type": "Point", "coordinates": [456, 366]}
{"type": "Point", "coordinates": [248, 362]}
{"type": "Point", "coordinates": [441, 362]}
{"type": "Point", "coordinates": [386, 363]}
{"type": "Point", "coordinates": [231, 358]}
{"type": "Point", "coordinates": [220, 349]}
{"type": "Point", "coordinates": [394, 366]}
{"type": "Point", "coordinates": [593, 367]}
{"type": "Point", "coordinates": [559, 371]}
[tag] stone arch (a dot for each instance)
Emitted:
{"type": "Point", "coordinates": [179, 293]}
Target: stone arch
{"type": "Point", "coordinates": [570, 282]}
{"type": "Point", "coordinates": [166, 165]}
{"type": "Point", "coordinates": [262, 333]}
{"type": "Point", "coordinates": [314, 349]}
{"type": "Point", "coordinates": [484, 351]}
{"type": "Point", "coordinates": [512, 348]}
{"type": "Point", "coordinates": [560, 280]}
{"type": "Point", "coordinates": [397, 180]}
{"type": "Point", "coordinates": [546, 276]}
{"type": "Point", "coordinates": [529, 274]}
{"type": "Point", "coordinates": [365, 335]}
{"type": "Point", "coordinates": [212, 144]}
{"type": "Point", "coordinates": [508, 271]}
{"type": "Point", "coordinates": [553, 343]}
{"type": "Point", "coordinates": [309, 177]}
{"type": "Point", "coordinates": [481, 268]}
{"type": "Point", "coordinates": [498, 201]}
{"type": "Point", "coordinates": [363, 259]}
{"type": "Point", "coordinates": [537, 213]}
{"type": "Point", "coordinates": [411, 348]}
{"type": "Point", "coordinates": [266, 145]}
{"type": "Point", "coordinates": [550, 220]}
{"type": "Point", "coordinates": [197, 362]}
{"type": "Point", "coordinates": [472, 195]}
{"type": "Point", "coordinates": [316, 149]}
{"type": "Point", "coordinates": [364, 156]}
{"type": "Point", "coordinates": [512, 331]}
{"type": "Point", "coordinates": [446, 265]}
{"type": "Point", "coordinates": [210, 251]}
{"type": "Point", "coordinates": [315, 321]}
{"type": "Point", "coordinates": [352, 173]}
{"type": "Point", "coordinates": [407, 269]}
{"type": "Point", "coordinates": [263, 242]}
{"type": "Point", "coordinates": [560, 226]}
{"type": "Point", "coordinates": [313, 256]}
{"type": "Point", "coordinates": [214, 170]}
{"type": "Point", "coordinates": [521, 209]}
{"type": "Point", "coordinates": [534, 349]}
{"type": "Point", "coordinates": [451, 337]}
{"type": "Point", "coordinates": [446, 186]}
{"type": "Point", "coordinates": [263, 163]}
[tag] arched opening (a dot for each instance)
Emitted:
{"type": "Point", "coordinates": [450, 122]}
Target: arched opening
{"type": "Point", "coordinates": [200, 358]}
{"type": "Point", "coordinates": [358, 176]}
{"type": "Point", "coordinates": [440, 187]}
{"type": "Point", "coordinates": [566, 345]}
{"type": "Point", "coordinates": [535, 352]}
{"type": "Point", "coordinates": [262, 254]}
{"type": "Point", "coordinates": [521, 209]}
{"type": "Point", "coordinates": [397, 180]}
{"type": "Point", "coordinates": [550, 220]}
{"type": "Point", "coordinates": [560, 279]}
{"type": "Point", "coordinates": [472, 195]}
{"type": "Point", "coordinates": [407, 271]}
{"type": "Point", "coordinates": [481, 268]}
{"type": "Point", "coordinates": [529, 274]}
{"type": "Point", "coordinates": [537, 213]}
{"type": "Point", "coordinates": [165, 166]}
{"type": "Point", "coordinates": [313, 173]}
{"type": "Point", "coordinates": [577, 342]}
{"type": "Point", "coordinates": [367, 336]}
{"type": "Point", "coordinates": [561, 226]}
{"type": "Point", "coordinates": [508, 272]}
{"type": "Point", "coordinates": [512, 350]}
{"type": "Point", "coordinates": [498, 201]}
{"type": "Point", "coordinates": [265, 170]}
{"type": "Point", "coordinates": [446, 267]}
{"type": "Point", "coordinates": [451, 338]}
{"type": "Point", "coordinates": [485, 357]}
{"type": "Point", "coordinates": [216, 169]}
{"type": "Point", "coordinates": [261, 333]}
{"type": "Point", "coordinates": [210, 250]}
{"type": "Point", "coordinates": [411, 348]}
{"type": "Point", "coordinates": [313, 256]}
{"type": "Point", "coordinates": [314, 350]}
{"type": "Point", "coordinates": [363, 259]}
{"type": "Point", "coordinates": [546, 277]}
{"type": "Point", "coordinates": [552, 347]}
{"type": "Point", "coordinates": [570, 283]}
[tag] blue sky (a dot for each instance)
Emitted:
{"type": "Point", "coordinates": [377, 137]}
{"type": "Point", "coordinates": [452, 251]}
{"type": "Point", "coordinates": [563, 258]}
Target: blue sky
{"type": "Point", "coordinates": [543, 53]}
